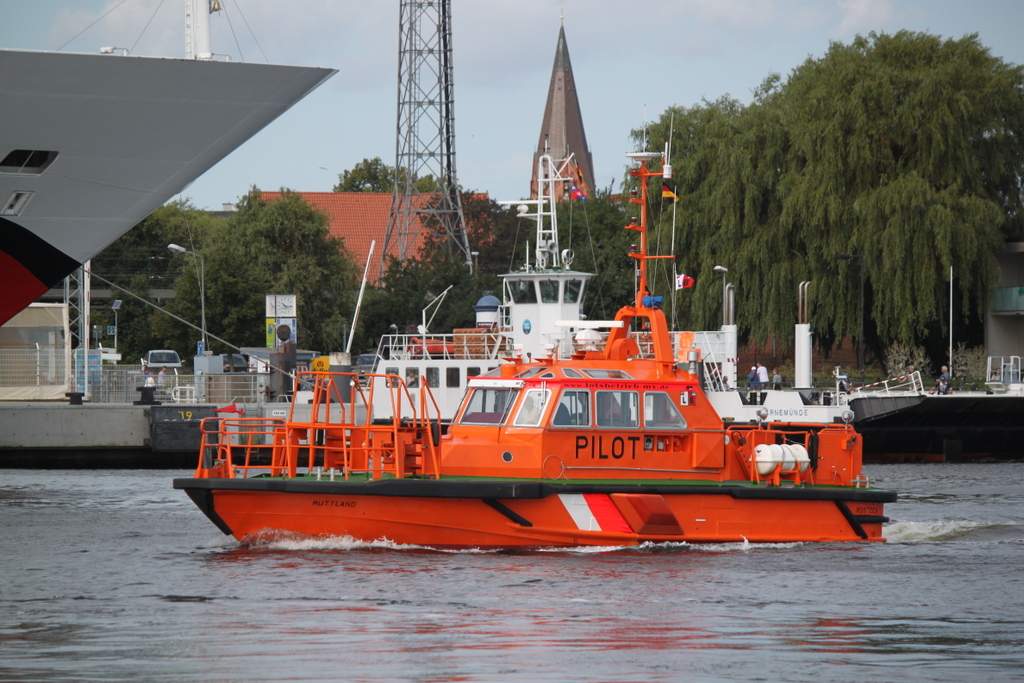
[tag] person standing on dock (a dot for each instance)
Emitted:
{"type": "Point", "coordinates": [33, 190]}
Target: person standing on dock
{"type": "Point", "coordinates": [942, 387]}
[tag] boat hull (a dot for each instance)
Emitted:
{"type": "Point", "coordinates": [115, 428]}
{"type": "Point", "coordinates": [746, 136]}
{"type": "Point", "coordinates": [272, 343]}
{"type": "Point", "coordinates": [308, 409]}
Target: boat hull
{"type": "Point", "coordinates": [524, 514]}
{"type": "Point", "coordinates": [123, 134]}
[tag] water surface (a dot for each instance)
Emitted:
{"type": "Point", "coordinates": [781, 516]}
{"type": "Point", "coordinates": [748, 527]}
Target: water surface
{"type": "Point", "coordinates": [113, 575]}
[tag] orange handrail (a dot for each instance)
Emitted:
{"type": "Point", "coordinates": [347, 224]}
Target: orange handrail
{"type": "Point", "coordinates": [339, 432]}
{"type": "Point", "coordinates": [225, 440]}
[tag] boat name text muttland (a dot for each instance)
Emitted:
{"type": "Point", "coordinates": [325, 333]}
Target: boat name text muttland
{"type": "Point", "coordinates": [334, 503]}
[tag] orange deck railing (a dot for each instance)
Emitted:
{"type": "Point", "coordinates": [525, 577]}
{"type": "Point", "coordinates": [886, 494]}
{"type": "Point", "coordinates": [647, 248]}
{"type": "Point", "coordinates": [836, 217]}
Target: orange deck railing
{"type": "Point", "coordinates": [340, 434]}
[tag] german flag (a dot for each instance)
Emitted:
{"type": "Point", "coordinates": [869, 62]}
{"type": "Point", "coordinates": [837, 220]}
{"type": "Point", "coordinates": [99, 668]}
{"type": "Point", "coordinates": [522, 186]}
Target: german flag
{"type": "Point", "coordinates": [666, 192]}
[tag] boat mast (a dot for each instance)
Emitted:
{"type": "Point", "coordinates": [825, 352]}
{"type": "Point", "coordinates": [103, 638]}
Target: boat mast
{"type": "Point", "coordinates": [549, 178]}
{"type": "Point", "coordinates": [644, 173]}
{"type": "Point", "coordinates": [197, 28]}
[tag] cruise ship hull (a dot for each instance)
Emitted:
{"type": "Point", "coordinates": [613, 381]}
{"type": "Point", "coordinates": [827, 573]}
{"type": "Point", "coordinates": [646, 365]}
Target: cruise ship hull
{"type": "Point", "coordinates": [92, 144]}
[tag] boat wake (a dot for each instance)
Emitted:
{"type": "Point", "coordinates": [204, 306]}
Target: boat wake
{"type": "Point", "coordinates": [941, 530]}
{"type": "Point", "coordinates": [281, 540]}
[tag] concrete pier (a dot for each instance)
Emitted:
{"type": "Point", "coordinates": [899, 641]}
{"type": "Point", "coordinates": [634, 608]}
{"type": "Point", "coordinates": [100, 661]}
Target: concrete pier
{"type": "Point", "coordinates": [50, 435]}
{"type": "Point", "coordinates": [57, 435]}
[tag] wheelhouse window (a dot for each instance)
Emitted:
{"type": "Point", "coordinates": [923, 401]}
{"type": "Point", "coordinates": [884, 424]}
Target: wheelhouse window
{"type": "Point", "coordinates": [530, 372]}
{"type": "Point", "coordinates": [433, 376]}
{"type": "Point", "coordinates": [532, 408]}
{"type": "Point", "coordinates": [660, 412]}
{"type": "Point", "coordinates": [573, 409]}
{"type": "Point", "coordinates": [488, 405]}
{"type": "Point", "coordinates": [569, 372]}
{"type": "Point", "coordinates": [618, 409]}
{"type": "Point", "coordinates": [548, 291]}
{"type": "Point", "coordinates": [604, 373]}
{"type": "Point", "coordinates": [451, 377]}
{"type": "Point", "coordinates": [522, 291]}
{"type": "Point", "coordinates": [573, 288]}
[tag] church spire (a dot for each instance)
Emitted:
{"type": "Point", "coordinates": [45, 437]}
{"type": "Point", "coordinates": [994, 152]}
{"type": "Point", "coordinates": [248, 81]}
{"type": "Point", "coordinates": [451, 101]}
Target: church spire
{"type": "Point", "coordinates": [561, 132]}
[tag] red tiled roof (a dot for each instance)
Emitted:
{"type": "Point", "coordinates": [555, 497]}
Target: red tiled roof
{"type": "Point", "coordinates": [357, 218]}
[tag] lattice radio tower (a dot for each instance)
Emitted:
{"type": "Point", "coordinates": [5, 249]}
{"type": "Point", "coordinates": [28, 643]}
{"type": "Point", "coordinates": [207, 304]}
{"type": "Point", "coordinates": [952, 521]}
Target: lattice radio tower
{"type": "Point", "coordinates": [425, 141]}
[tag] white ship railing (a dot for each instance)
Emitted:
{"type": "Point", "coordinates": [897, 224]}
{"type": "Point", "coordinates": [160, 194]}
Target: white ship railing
{"type": "Point", "coordinates": [902, 385]}
{"type": "Point", "coordinates": [481, 344]}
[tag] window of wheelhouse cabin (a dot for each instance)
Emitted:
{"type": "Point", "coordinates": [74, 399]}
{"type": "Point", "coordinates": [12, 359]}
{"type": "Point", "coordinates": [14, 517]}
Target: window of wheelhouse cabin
{"type": "Point", "coordinates": [522, 291]}
{"type": "Point", "coordinates": [532, 408]}
{"type": "Point", "coordinates": [660, 412]}
{"type": "Point", "coordinates": [605, 373]}
{"type": "Point", "coordinates": [488, 406]}
{"type": "Point", "coordinates": [548, 291]}
{"type": "Point", "coordinates": [573, 409]}
{"type": "Point", "coordinates": [618, 409]}
{"type": "Point", "coordinates": [452, 378]}
{"type": "Point", "coordinates": [530, 372]}
{"type": "Point", "coordinates": [433, 376]}
{"type": "Point", "coordinates": [573, 289]}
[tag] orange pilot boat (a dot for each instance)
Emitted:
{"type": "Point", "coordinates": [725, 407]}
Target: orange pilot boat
{"type": "Point", "coordinates": [613, 445]}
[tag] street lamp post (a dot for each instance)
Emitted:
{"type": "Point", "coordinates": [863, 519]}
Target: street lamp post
{"type": "Point", "coordinates": [725, 288]}
{"type": "Point", "coordinates": [860, 342]}
{"type": "Point", "coordinates": [202, 290]}
{"type": "Point", "coordinates": [116, 305]}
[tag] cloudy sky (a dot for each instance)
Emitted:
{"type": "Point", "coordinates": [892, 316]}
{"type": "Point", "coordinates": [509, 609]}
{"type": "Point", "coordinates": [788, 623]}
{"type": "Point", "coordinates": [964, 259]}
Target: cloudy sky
{"type": "Point", "coordinates": [631, 60]}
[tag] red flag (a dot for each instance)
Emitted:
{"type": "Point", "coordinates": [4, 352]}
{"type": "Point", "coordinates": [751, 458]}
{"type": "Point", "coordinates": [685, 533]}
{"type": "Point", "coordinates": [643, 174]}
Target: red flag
{"type": "Point", "coordinates": [233, 408]}
{"type": "Point", "coordinates": [684, 282]}
{"type": "Point", "coordinates": [577, 193]}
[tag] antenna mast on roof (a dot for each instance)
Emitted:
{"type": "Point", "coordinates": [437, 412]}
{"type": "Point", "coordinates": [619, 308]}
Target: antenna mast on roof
{"type": "Point", "coordinates": [426, 195]}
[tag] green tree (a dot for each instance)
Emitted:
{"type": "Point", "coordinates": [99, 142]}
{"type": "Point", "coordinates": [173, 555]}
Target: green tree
{"type": "Point", "coordinates": [280, 247]}
{"type": "Point", "coordinates": [906, 149]}
{"type": "Point", "coordinates": [140, 262]}
{"type": "Point", "coordinates": [369, 175]}
{"type": "Point", "coordinates": [373, 175]}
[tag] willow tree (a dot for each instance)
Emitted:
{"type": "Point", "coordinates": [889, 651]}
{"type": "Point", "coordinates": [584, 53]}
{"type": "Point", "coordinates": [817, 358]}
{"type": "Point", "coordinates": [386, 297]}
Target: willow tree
{"type": "Point", "coordinates": [727, 161]}
{"type": "Point", "coordinates": [905, 149]}
{"type": "Point", "coordinates": [908, 150]}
